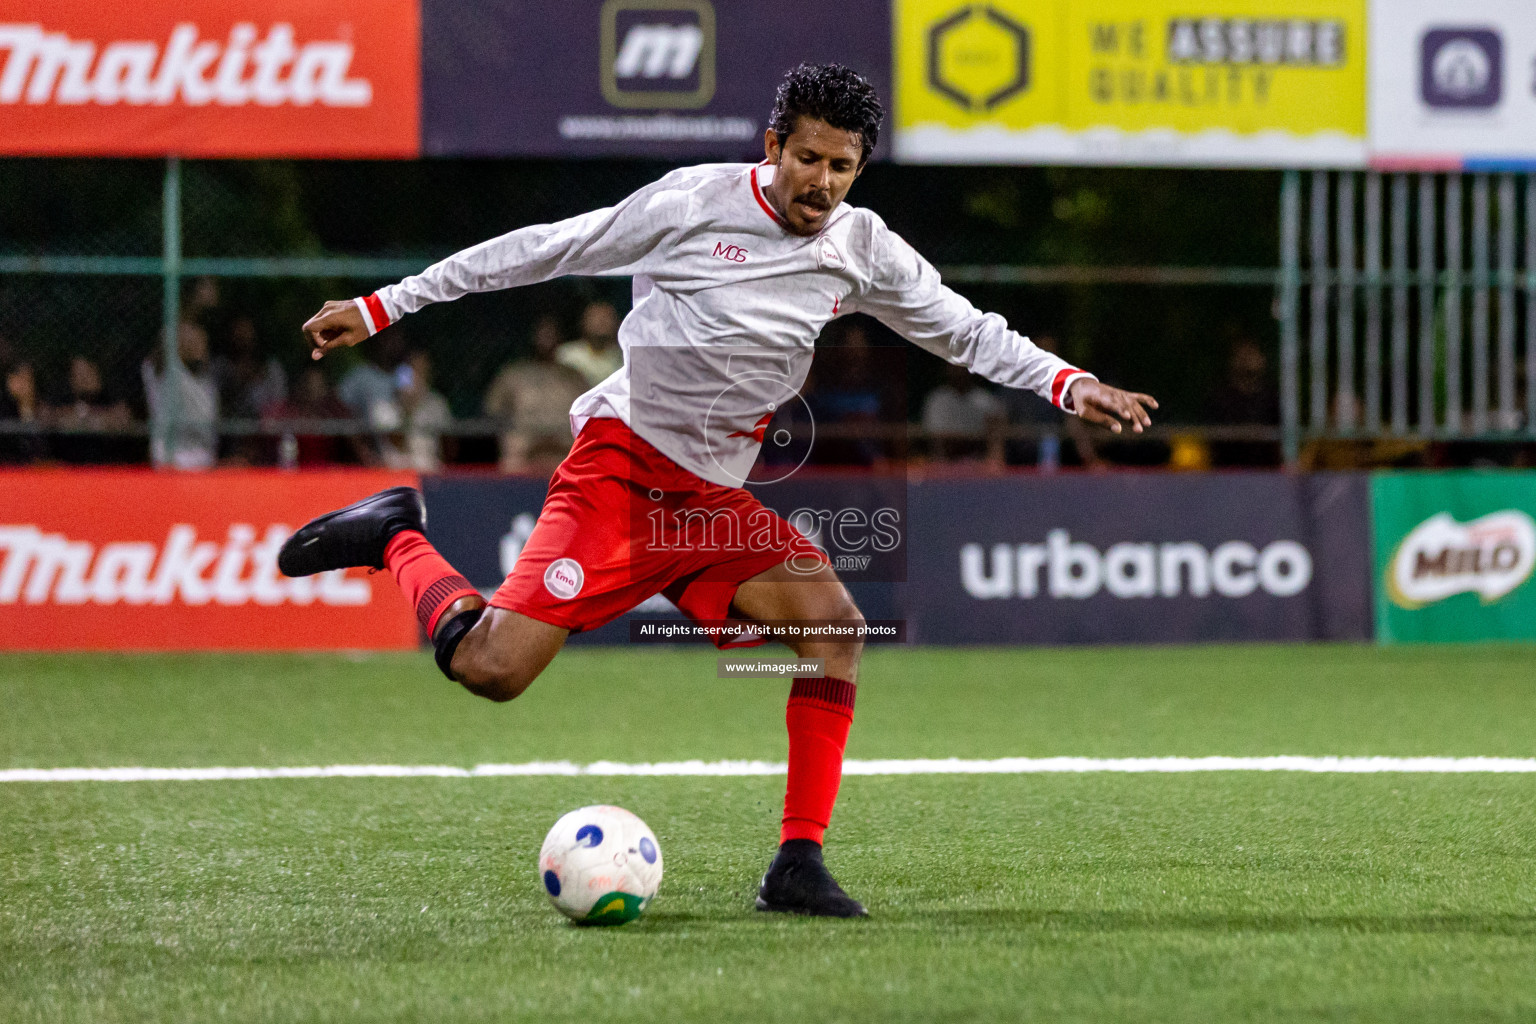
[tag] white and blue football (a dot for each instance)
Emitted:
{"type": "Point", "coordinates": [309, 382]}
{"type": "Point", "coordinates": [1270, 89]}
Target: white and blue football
{"type": "Point", "coordinates": [600, 865]}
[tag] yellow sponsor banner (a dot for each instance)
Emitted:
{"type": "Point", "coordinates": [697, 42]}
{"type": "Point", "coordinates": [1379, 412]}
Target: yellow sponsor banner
{"type": "Point", "coordinates": [1240, 82]}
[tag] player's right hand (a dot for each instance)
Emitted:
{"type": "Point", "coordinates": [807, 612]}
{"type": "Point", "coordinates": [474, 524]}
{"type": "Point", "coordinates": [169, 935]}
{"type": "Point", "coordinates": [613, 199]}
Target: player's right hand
{"type": "Point", "coordinates": [339, 324]}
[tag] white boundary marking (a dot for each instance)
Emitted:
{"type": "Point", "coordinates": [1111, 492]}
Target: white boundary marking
{"type": "Point", "coordinates": [918, 766]}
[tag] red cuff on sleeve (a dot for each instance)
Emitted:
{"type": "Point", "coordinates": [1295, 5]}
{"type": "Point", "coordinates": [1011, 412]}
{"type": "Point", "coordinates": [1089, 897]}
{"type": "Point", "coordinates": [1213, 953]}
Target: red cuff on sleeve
{"type": "Point", "coordinates": [376, 312]}
{"type": "Point", "coordinates": [1061, 395]}
{"type": "Point", "coordinates": [1059, 386]}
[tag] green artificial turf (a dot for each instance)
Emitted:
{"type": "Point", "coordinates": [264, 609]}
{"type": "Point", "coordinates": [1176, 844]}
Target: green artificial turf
{"type": "Point", "coordinates": [1223, 896]}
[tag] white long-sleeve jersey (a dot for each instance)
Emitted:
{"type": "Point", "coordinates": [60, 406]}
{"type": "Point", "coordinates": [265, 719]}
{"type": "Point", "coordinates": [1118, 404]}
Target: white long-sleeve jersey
{"type": "Point", "coordinates": [727, 307]}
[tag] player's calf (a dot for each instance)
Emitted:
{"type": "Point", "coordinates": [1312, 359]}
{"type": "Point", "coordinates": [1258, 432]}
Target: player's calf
{"type": "Point", "coordinates": [493, 652]}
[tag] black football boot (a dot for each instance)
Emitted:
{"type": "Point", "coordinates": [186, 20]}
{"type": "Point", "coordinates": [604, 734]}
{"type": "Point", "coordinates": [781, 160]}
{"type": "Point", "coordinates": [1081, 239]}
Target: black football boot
{"type": "Point", "coordinates": [353, 536]}
{"type": "Point", "coordinates": [798, 882]}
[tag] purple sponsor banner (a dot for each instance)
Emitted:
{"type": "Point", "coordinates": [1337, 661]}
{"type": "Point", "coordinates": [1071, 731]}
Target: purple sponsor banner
{"type": "Point", "coordinates": [1139, 558]}
{"type": "Point", "coordinates": [673, 79]}
{"type": "Point", "coordinates": [1025, 559]}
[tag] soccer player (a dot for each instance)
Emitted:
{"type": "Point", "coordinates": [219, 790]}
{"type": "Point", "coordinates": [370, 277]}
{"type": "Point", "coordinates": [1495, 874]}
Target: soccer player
{"type": "Point", "coordinates": [731, 263]}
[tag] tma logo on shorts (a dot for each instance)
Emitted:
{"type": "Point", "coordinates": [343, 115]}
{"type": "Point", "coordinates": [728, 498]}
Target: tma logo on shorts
{"type": "Point", "coordinates": [564, 578]}
{"type": "Point", "coordinates": [1490, 557]}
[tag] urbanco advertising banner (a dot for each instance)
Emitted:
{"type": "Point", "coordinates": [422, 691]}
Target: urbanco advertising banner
{"type": "Point", "coordinates": [210, 78]}
{"type": "Point", "coordinates": [117, 560]}
{"type": "Point", "coordinates": [680, 79]}
{"type": "Point", "coordinates": [1453, 85]}
{"type": "Point", "coordinates": [1134, 558]}
{"type": "Point", "coordinates": [1154, 82]}
{"type": "Point", "coordinates": [1454, 553]}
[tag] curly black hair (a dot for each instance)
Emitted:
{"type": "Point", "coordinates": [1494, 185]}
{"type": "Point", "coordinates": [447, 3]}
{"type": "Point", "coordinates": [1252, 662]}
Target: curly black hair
{"type": "Point", "coordinates": [833, 93]}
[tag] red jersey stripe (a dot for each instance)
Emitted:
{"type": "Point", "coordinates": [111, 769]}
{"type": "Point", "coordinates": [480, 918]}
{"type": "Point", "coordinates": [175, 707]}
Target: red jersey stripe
{"type": "Point", "coordinates": [376, 311]}
{"type": "Point", "coordinates": [763, 202]}
{"type": "Point", "coordinates": [1059, 383]}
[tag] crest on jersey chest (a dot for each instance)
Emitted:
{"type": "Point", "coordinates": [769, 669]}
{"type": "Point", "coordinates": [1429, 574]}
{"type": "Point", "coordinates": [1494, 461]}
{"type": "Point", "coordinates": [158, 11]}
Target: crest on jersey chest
{"type": "Point", "coordinates": [827, 255]}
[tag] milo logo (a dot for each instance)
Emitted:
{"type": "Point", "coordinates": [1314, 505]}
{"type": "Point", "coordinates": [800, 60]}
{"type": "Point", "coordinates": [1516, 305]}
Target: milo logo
{"type": "Point", "coordinates": [1490, 557]}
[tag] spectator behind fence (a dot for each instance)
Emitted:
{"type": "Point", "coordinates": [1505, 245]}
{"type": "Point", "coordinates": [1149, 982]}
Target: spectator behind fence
{"type": "Point", "coordinates": [370, 385]}
{"type": "Point", "coordinates": [190, 394]}
{"type": "Point", "coordinates": [1246, 398]}
{"type": "Point", "coordinates": [202, 303]}
{"type": "Point", "coordinates": [415, 419]}
{"type": "Point", "coordinates": [963, 419]}
{"type": "Point", "coordinates": [532, 399]}
{"type": "Point", "coordinates": [248, 384]}
{"type": "Point", "coordinates": [20, 409]}
{"type": "Point", "coordinates": [846, 393]}
{"type": "Point", "coordinates": [1063, 435]}
{"type": "Point", "coordinates": [87, 417]}
{"type": "Point", "coordinates": [313, 400]}
{"type": "Point", "coordinates": [596, 354]}
{"type": "Point", "coordinates": [372, 380]}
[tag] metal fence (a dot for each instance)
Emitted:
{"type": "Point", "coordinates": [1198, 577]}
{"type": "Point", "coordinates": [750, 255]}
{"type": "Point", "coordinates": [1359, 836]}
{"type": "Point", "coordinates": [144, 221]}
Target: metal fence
{"type": "Point", "coordinates": [1420, 321]}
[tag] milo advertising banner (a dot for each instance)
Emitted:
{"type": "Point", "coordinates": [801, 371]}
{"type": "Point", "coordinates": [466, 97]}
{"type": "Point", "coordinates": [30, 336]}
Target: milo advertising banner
{"type": "Point", "coordinates": [1454, 554]}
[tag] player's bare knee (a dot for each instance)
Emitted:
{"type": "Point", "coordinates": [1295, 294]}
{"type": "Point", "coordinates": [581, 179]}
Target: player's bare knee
{"type": "Point", "coordinates": [839, 657]}
{"type": "Point", "coordinates": [843, 660]}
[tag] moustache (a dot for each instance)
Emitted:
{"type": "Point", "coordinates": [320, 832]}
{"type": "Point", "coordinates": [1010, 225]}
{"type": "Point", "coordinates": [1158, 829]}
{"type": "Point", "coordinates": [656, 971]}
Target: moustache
{"type": "Point", "coordinates": [816, 200]}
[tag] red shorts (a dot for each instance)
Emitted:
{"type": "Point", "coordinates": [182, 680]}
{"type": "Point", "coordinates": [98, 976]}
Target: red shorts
{"type": "Point", "coordinates": [622, 522]}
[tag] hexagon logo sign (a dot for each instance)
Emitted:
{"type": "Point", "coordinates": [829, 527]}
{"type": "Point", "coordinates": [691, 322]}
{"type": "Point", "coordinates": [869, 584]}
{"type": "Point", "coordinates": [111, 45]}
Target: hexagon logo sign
{"type": "Point", "coordinates": [978, 57]}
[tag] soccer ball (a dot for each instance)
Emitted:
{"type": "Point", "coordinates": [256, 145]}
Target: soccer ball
{"type": "Point", "coordinates": [600, 865]}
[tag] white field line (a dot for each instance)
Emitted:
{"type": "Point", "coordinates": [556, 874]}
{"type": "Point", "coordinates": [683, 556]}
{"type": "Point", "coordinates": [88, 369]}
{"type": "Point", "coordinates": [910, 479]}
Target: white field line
{"type": "Point", "coordinates": [919, 766]}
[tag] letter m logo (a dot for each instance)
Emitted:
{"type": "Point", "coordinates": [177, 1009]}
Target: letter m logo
{"type": "Point", "coordinates": [658, 54]}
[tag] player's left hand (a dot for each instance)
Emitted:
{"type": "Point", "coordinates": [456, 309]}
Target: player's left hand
{"type": "Point", "coordinates": [1110, 407]}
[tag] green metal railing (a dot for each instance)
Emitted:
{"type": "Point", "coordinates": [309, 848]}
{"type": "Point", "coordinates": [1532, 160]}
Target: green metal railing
{"type": "Point", "coordinates": [1365, 375]}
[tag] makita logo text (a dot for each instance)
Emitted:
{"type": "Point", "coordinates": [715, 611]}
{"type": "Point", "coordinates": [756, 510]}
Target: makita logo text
{"type": "Point", "coordinates": [49, 568]}
{"type": "Point", "coordinates": [272, 70]}
{"type": "Point", "coordinates": [1490, 557]}
{"type": "Point", "coordinates": [730, 253]}
{"type": "Point", "coordinates": [1064, 568]}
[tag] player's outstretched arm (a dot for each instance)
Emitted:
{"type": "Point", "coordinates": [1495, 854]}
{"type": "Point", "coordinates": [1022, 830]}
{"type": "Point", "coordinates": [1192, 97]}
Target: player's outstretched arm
{"type": "Point", "coordinates": [906, 294]}
{"type": "Point", "coordinates": [1099, 403]}
{"type": "Point", "coordinates": [624, 240]}
{"type": "Point", "coordinates": [339, 324]}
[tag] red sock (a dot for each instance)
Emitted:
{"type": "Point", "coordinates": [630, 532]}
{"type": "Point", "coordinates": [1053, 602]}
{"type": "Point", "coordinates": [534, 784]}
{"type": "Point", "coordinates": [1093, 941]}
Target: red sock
{"type": "Point", "coordinates": [425, 576]}
{"type": "Point", "coordinates": [818, 716]}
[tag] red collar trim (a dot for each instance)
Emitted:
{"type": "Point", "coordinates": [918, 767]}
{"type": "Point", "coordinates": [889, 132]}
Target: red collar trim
{"type": "Point", "coordinates": [762, 200]}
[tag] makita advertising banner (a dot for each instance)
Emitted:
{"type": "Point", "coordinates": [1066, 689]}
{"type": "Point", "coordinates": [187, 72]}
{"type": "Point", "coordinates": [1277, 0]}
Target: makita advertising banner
{"type": "Point", "coordinates": [210, 78]}
{"type": "Point", "coordinates": [1454, 555]}
{"type": "Point", "coordinates": [683, 79]}
{"type": "Point", "coordinates": [1135, 558]}
{"type": "Point", "coordinates": [118, 560]}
